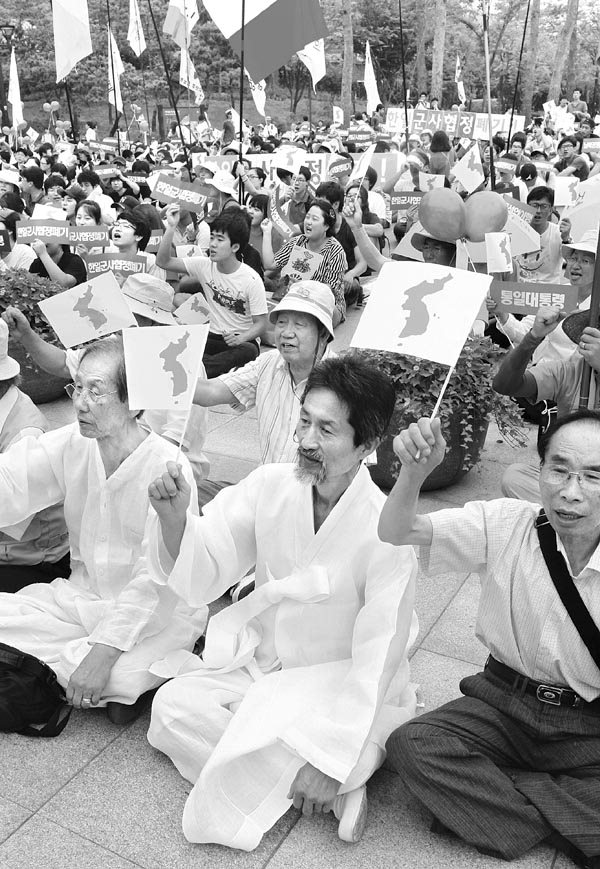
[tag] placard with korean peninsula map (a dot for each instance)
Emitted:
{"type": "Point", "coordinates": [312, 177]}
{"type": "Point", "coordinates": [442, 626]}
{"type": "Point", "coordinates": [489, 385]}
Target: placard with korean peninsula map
{"type": "Point", "coordinates": [88, 311]}
{"type": "Point", "coordinates": [162, 364]}
{"type": "Point", "coordinates": [421, 310]}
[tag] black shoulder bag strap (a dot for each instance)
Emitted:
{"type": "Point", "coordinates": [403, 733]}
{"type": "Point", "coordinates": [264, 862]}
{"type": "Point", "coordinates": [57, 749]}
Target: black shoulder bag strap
{"type": "Point", "coordinates": [563, 581]}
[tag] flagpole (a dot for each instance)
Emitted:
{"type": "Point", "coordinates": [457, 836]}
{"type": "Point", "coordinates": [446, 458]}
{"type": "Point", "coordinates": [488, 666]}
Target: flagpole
{"type": "Point", "coordinates": [137, 27]}
{"type": "Point", "coordinates": [441, 395]}
{"type": "Point", "coordinates": [170, 86]}
{"type": "Point", "coordinates": [486, 51]}
{"type": "Point", "coordinates": [242, 63]}
{"type": "Point", "coordinates": [74, 129]}
{"type": "Point", "coordinates": [310, 106]}
{"type": "Point", "coordinates": [404, 100]}
{"type": "Point", "coordinates": [122, 110]}
{"type": "Point", "coordinates": [514, 102]}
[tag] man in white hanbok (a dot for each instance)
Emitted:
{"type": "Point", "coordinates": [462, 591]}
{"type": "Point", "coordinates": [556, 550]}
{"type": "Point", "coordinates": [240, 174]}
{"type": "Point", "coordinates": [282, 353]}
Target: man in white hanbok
{"type": "Point", "coordinates": [301, 681]}
{"type": "Point", "coordinates": [101, 630]}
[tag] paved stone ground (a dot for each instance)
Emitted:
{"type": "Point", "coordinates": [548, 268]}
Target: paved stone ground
{"type": "Point", "coordinates": [99, 797]}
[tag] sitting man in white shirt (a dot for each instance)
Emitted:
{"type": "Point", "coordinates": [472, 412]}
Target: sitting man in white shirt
{"type": "Point", "coordinates": [514, 762]}
{"type": "Point", "coordinates": [275, 381]}
{"type": "Point", "coordinates": [301, 681]}
{"type": "Point", "coordinates": [37, 549]}
{"type": "Point", "coordinates": [102, 629]}
{"type": "Point", "coordinates": [235, 294]}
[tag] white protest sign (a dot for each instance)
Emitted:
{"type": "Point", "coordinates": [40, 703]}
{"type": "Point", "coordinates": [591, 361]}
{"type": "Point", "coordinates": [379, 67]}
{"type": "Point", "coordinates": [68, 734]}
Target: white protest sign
{"type": "Point", "coordinates": [88, 311]}
{"type": "Point", "coordinates": [523, 237]}
{"type": "Point", "coordinates": [421, 310]}
{"type": "Point", "coordinates": [301, 265]}
{"type": "Point", "coordinates": [361, 166]}
{"type": "Point", "coordinates": [405, 247]}
{"type": "Point", "coordinates": [498, 252]}
{"type": "Point", "coordinates": [194, 310]}
{"type": "Point", "coordinates": [566, 190]}
{"type": "Point", "coordinates": [162, 364]}
{"type": "Point", "coordinates": [584, 213]}
{"type": "Point", "coordinates": [469, 169]}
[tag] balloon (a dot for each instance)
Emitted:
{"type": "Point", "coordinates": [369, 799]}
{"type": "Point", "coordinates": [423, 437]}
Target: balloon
{"type": "Point", "coordinates": [55, 105]}
{"type": "Point", "coordinates": [59, 125]}
{"type": "Point", "coordinates": [6, 130]}
{"type": "Point", "coordinates": [47, 107]}
{"type": "Point", "coordinates": [442, 213]}
{"type": "Point", "coordinates": [22, 125]}
{"type": "Point", "coordinates": [144, 126]}
{"type": "Point", "coordinates": [67, 125]}
{"type": "Point", "coordinates": [485, 211]}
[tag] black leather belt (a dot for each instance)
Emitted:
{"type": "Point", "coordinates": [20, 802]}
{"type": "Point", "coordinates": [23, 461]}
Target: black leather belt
{"type": "Point", "coordinates": [552, 694]}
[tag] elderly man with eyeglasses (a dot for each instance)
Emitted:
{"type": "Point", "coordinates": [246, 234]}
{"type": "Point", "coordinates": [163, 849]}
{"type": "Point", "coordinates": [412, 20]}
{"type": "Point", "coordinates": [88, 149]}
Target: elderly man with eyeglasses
{"type": "Point", "coordinates": [516, 761]}
{"type": "Point", "coordinates": [103, 629]}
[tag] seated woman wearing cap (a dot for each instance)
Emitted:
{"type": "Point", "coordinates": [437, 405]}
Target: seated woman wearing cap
{"type": "Point", "coordinates": [18, 256]}
{"type": "Point", "coordinates": [319, 225]}
{"type": "Point", "coordinates": [151, 302]}
{"type": "Point", "coordinates": [103, 629]}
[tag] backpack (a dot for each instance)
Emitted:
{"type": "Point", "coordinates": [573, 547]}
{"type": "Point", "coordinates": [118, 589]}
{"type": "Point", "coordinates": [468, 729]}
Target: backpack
{"type": "Point", "coordinates": [31, 700]}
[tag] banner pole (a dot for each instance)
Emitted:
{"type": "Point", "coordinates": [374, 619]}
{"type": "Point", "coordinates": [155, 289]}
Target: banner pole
{"type": "Point", "coordinates": [404, 100]}
{"type": "Point", "coordinates": [242, 62]}
{"type": "Point", "coordinates": [486, 50]}
{"type": "Point", "coordinates": [170, 86]}
{"type": "Point", "coordinates": [514, 102]}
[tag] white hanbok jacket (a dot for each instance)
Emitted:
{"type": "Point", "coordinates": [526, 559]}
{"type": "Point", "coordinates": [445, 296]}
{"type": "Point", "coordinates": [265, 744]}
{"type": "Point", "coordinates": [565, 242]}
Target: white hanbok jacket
{"type": "Point", "coordinates": [325, 634]}
{"type": "Point", "coordinates": [111, 597]}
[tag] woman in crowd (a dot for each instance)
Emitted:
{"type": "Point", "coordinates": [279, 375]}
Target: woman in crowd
{"type": "Point", "coordinates": [19, 256]}
{"type": "Point", "coordinates": [318, 238]}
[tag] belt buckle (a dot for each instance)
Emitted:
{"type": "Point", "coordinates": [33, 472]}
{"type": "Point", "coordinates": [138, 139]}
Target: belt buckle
{"type": "Point", "coordinates": [548, 694]}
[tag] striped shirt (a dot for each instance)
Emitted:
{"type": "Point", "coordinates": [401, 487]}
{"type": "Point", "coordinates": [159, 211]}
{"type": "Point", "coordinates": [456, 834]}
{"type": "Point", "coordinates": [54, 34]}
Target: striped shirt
{"type": "Point", "coordinates": [331, 271]}
{"type": "Point", "coordinates": [521, 619]}
{"type": "Point", "coordinates": [266, 383]}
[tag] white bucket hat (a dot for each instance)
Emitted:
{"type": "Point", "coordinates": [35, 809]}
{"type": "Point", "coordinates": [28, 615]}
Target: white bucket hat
{"type": "Point", "coordinates": [10, 177]}
{"type": "Point", "coordinates": [308, 297]}
{"type": "Point", "coordinates": [9, 367]}
{"type": "Point", "coordinates": [223, 181]}
{"type": "Point", "coordinates": [150, 297]}
{"type": "Point", "coordinates": [587, 243]}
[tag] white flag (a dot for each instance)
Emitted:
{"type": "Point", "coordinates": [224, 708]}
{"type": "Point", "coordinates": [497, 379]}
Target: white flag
{"type": "Point", "coordinates": [313, 57]}
{"type": "Point", "coordinates": [14, 93]}
{"type": "Point", "coordinates": [163, 364]}
{"type": "Point", "coordinates": [469, 169]}
{"type": "Point", "coordinates": [88, 311]}
{"type": "Point", "coordinates": [259, 93]}
{"type": "Point", "coordinates": [370, 82]}
{"type": "Point", "coordinates": [115, 71]}
{"type": "Point", "coordinates": [72, 39]}
{"type": "Point", "coordinates": [135, 34]}
{"type": "Point", "coordinates": [188, 78]}
{"type": "Point", "coordinates": [181, 17]}
{"type": "Point", "coordinates": [498, 252]}
{"type": "Point", "coordinates": [458, 70]}
{"type": "Point", "coordinates": [421, 310]}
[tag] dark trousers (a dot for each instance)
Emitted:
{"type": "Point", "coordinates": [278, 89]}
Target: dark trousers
{"type": "Point", "coordinates": [219, 358]}
{"type": "Point", "coordinates": [503, 770]}
{"type": "Point", "coordinates": [16, 576]}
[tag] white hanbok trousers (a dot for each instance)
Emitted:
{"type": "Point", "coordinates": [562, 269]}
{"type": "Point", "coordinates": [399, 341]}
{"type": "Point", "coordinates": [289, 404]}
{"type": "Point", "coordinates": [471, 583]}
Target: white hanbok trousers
{"type": "Point", "coordinates": [53, 621]}
{"type": "Point", "coordinates": [221, 730]}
